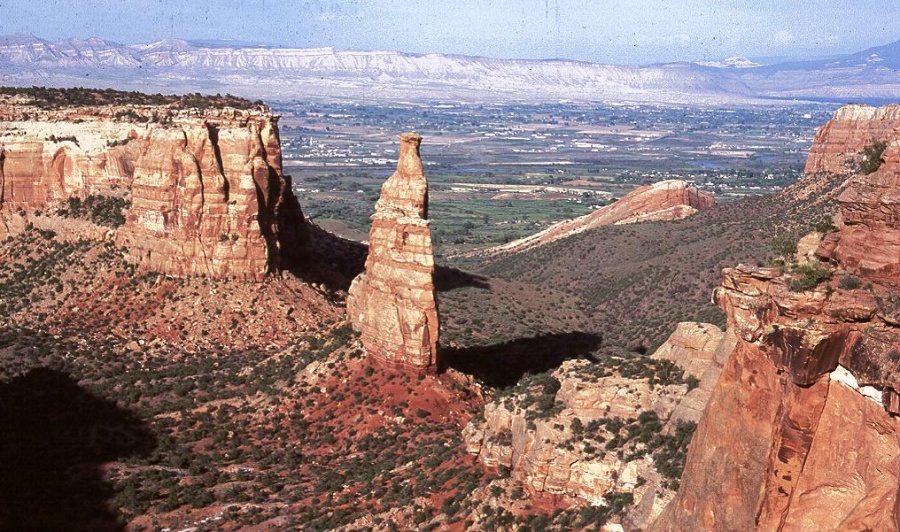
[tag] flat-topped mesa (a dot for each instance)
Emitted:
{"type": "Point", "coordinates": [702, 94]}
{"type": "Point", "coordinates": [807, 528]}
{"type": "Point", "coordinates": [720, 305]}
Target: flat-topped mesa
{"type": "Point", "coordinates": [806, 413]}
{"type": "Point", "coordinates": [392, 303]}
{"type": "Point", "coordinates": [207, 191]}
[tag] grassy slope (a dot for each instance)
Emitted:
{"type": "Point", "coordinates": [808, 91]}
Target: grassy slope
{"type": "Point", "coordinates": [633, 283]}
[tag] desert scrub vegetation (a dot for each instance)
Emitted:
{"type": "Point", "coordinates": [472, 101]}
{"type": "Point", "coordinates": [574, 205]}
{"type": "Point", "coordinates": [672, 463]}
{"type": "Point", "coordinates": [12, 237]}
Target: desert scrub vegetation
{"type": "Point", "coordinates": [53, 98]}
{"type": "Point", "coordinates": [872, 157]}
{"type": "Point", "coordinates": [849, 282]}
{"type": "Point", "coordinates": [645, 278]}
{"type": "Point", "coordinates": [784, 248]}
{"type": "Point", "coordinates": [807, 276]}
{"type": "Point", "coordinates": [235, 426]}
{"type": "Point", "coordinates": [101, 210]}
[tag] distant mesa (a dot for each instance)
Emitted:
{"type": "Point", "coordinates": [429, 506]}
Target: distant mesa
{"type": "Point", "coordinates": [665, 200]}
{"type": "Point", "coordinates": [392, 303]}
{"type": "Point", "coordinates": [281, 72]}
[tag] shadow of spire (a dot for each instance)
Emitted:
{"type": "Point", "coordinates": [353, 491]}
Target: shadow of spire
{"type": "Point", "coordinates": [55, 437]}
{"type": "Point", "coordinates": [502, 365]}
{"type": "Point", "coordinates": [334, 262]}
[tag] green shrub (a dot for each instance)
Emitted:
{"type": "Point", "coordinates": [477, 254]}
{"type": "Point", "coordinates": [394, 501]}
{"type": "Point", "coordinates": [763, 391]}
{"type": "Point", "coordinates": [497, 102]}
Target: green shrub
{"type": "Point", "coordinates": [811, 274]}
{"type": "Point", "coordinates": [692, 382]}
{"type": "Point", "coordinates": [784, 247]}
{"type": "Point", "coordinates": [825, 225]}
{"type": "Point", "coordinates": [872, 157]}
{"type": "Point", "coordinates": [850, 282]}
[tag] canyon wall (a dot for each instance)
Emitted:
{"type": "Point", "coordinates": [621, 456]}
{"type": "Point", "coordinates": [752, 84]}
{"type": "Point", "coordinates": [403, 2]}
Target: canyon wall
{"type": "Point", "coordinates": [207, 192]}
{"type": "Point", "coordinates": [801, 431]}
{"type": "Point", "coordinates": [392, 303]}
{"type": "Point", "coordinates": [838, 143]}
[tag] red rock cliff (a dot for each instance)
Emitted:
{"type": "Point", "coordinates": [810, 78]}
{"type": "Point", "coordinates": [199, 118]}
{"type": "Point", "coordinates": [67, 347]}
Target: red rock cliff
{"type": "Point", "coordinates": [208, 195]}
{"type": "Point", "coordinates": [801, 432]}
{"type": "Point", "coordinates": [838, 143]}
{"type": "Point", "coordinates": [392, 303]}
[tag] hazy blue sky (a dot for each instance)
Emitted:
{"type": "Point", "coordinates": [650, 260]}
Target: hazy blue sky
{"type": "Point", "coordinates": [608, 31]}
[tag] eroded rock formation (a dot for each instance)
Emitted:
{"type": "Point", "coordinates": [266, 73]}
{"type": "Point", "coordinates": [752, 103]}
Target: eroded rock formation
{"type": "Point", "coordinates": [838, 143]}
{"type": "Point", "coordinates": [207, 192]}
{"type": "Point", "coordinates": [565, 451]}
{"type": "Point", "coordinates": [700, 349]}
{"type": "Point", "coordinates": [665, 200]}
{"type": "Point", "coordinates": [392, 304]}
{"type": "Point", "coordinates": [801, 432]}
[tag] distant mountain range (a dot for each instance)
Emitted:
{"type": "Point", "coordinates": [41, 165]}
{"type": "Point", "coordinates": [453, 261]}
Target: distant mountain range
{"type": "Point", "coordinates": [324, 73]}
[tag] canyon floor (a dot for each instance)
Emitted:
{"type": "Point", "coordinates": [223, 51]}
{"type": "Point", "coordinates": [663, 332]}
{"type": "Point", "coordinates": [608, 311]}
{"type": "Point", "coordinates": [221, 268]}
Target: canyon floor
{"type": "Point", "coordinates": [153, 402]}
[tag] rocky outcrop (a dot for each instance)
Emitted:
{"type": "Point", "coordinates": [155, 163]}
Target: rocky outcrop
{"type": "Point", "coordinates": [700, 349]}
{"type": "Point", "coordinates": [804, 415]}
{"type": "Point", "coordinates": [550, 455]}
{"type": "Point", "coordinates": [392, 303]}
{"type": "Point", "coordinates": [838, 143]}
{"type": "Point", "coordinates": [665, 200]}
{"type": "Point", "coordinates": [585, 442]}
{"type": "Point", "coordinates": [207, 192]}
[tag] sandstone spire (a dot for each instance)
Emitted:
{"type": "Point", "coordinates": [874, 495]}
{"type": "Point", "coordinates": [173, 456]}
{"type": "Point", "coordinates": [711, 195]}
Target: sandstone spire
{"type": "Point", "coordinates": [392, 304]}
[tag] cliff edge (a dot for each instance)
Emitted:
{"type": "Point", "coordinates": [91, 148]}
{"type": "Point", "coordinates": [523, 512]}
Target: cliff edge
{"type": "Point", "coordinates": [206, 189]}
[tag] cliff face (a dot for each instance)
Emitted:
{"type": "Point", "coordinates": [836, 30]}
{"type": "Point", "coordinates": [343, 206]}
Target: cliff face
{"type": "Point", "coordinates": [837, 144]}
{"type": "Point", "coordinates": [392, 304]}
{"type": "Point", "coordinates": [207, 192]}
{"type": "Point", "coordinates": [804, 416]}
{"type": "Point", "coordinates": [665, 200]}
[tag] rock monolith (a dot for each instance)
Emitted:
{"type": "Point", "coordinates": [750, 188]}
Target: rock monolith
{"type": "Point", "coordinates": [392, 303]}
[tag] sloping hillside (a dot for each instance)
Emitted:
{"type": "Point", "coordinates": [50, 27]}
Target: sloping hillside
{"type": "Point", "coordinates": [635, 282]}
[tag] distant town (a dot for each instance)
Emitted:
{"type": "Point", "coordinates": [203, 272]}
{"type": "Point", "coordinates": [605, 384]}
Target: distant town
{"type": "Point", "coordinates": [498, 172]}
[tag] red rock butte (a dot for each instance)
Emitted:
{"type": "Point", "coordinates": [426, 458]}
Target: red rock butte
{"type": "Point", "coordinates": [392, 303]}
{"type": "Point", "coordinates": [802, 430]}
{"type": "Point", "coordinates": [207, 191]}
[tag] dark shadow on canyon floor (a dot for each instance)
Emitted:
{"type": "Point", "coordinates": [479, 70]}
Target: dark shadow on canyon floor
{"type": "Point", "coordinates": [447, 278]}
{"type": "Point", "coordinates": [334, 262]}
{"type": "Point", "coordinates": [330, 260]}
{"type": "Point", "coordinates": [54, 439]}
{"type": "Point", "coordinates": [502, 365]}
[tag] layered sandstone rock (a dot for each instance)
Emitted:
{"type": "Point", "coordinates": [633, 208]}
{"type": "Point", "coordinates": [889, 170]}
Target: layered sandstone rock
{"type": "Point", "coordinates": [700, 349]}
{"type": "Point", "coordinates": [547, 455]}
{"type": "Point", "coordinates": [838, 143]}
{"type": "Point", "coordinates": [552, 453]}
{"type": "Point", "coordinates": [207, 192]}
{"type": "Point", "coordinates": [392, 304]}
{"type": "Point", "coordinates": [666, 200]}
{"type": "Point", "coordinates": [803, 418]}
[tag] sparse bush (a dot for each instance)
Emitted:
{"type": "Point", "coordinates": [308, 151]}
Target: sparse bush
{"type": "Point", "coordinates": [811, 274]}
{"type": "Point", "coordinates": [692, 382]}
{"type": "Point", "coordinates": [825, 226]}
{"type": "Point", "coordinates": [849, 282]}
{"type": "Point", "coordinates": [784, 247]}
{"type": "Point", "coordinates": [872, 157]}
